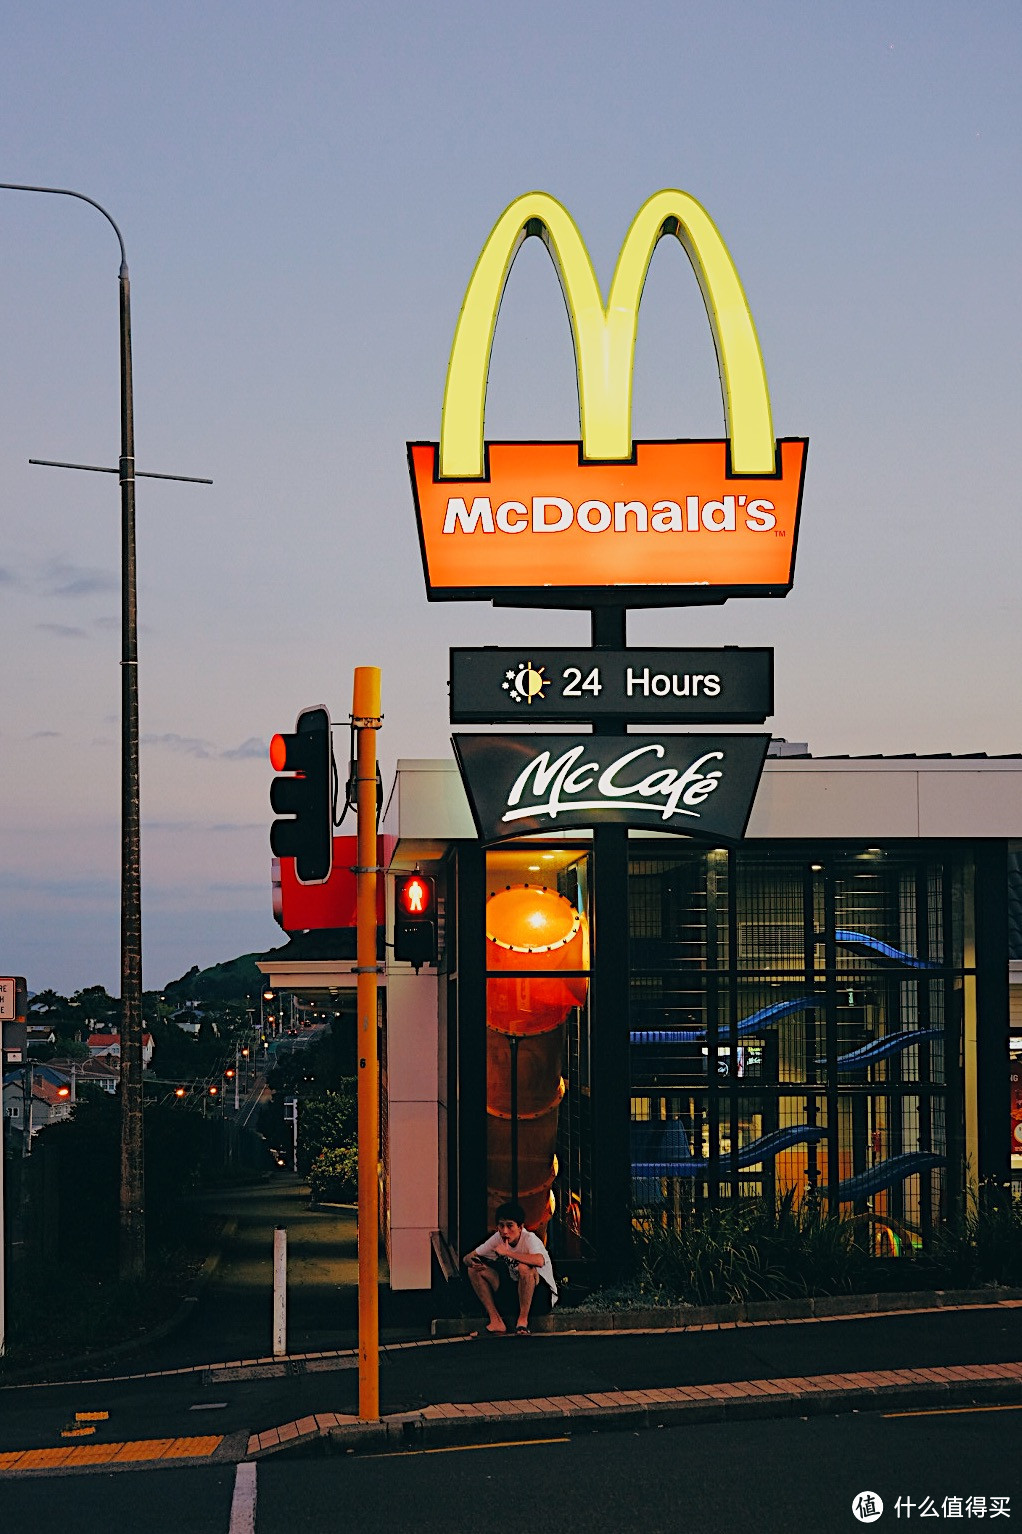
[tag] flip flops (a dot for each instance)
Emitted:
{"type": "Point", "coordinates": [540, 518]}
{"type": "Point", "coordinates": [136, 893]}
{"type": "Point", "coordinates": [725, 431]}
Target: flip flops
{"type": "Point", "coordinates": [522, 1331]}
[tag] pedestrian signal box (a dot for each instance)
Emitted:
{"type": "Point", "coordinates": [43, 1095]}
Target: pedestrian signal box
{"type": "Point", "coordinates": [415, 919]}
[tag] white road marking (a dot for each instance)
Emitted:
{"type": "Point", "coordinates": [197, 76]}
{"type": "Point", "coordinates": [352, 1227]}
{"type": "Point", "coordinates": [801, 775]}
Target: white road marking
{"type": "Point", "coordinates": [243, 1504]}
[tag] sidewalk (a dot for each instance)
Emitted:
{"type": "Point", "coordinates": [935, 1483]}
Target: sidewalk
{"type": "Point", "coordinates": [502, 1389]}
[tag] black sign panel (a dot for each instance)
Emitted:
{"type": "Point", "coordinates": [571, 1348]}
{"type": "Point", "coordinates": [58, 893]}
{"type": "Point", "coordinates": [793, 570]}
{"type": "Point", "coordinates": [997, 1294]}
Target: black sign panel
{"type": "Point", "coordinates": [693, 785]}
{"type": "Point", "coordinates": [541, 686]}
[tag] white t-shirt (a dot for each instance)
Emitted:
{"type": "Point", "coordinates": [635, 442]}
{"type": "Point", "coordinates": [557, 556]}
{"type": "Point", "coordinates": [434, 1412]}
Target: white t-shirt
{"type": "Point", "coordinates": [529, 1242]}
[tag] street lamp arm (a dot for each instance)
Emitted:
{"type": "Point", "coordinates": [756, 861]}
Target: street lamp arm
{"type": "Point", "coordinates": [61, 191]}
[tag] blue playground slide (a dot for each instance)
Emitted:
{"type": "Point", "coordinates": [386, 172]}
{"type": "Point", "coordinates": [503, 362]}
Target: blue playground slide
{"type": "Point", "coordinates": [873, 948]}
{"type": "Point", "coordinates": [874, 1180]}
{"type": "Point", "coordinates": [879, 1049]}
{"type": "Point", "coordinates": [754, 1023]}
{"type": "Point", "coordinates": [885, 1174]}
{"type": "Point", "coordinates": [757, 1150]}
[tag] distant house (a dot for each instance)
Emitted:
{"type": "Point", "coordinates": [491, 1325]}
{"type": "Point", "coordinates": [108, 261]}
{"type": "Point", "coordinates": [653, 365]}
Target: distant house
{"type": "Point", "coordinates": [38, 1035]}
{"type": "Point", "coordinates": [188, 1019]}
{"type": "Point", "coordinates": [50, 1104]}
{"type": "Point", "coordinates": [16, 1101]}
{"type": "Point", "coordinates": [101, 1044]}
{"type": "Point", "coordinates": [104, 1071]}
{"type": "Point", "coordinates": [31, 1103]}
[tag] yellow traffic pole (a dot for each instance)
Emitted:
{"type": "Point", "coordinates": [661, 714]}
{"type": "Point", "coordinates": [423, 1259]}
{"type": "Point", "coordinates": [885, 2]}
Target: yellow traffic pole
{"type": "Point", "coordinates": [366, 720]}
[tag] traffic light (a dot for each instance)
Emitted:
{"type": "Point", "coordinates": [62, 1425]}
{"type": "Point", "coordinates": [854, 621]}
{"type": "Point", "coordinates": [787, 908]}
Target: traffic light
{"type": "Point", "coordinates": [415, 919]}
{"type": "Point", "coordinates": [307, 798]}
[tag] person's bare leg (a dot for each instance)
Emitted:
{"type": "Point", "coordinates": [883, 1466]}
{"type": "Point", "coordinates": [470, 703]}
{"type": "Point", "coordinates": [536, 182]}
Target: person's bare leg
{"type": "Point", "coordinates": [528, 1278]}
{"type": "Point", "coordinates": [485, 1283]}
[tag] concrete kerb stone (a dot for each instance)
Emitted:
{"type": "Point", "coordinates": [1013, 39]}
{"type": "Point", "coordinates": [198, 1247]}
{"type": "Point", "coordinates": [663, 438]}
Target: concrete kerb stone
{"type": "Point", "coordinates": [686, 1317]}
{"type": "Point", "coordinates": [440, 1427]}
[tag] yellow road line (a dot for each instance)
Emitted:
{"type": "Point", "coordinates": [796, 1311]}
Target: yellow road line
{"type": "Point", "coordinates": [951, 1411]}
{"type": "Point", "coordinates": [137, 1452]}
{"type": "Point", "coordinates": [463, 1448]}
{"type": "Point", "coordinates": [92, 1416]}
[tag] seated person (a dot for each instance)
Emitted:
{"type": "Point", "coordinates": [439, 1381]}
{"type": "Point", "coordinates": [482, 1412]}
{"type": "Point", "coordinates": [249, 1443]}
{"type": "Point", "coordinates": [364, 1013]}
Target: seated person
{"type": "Point", "coordinates": [512, 1258]}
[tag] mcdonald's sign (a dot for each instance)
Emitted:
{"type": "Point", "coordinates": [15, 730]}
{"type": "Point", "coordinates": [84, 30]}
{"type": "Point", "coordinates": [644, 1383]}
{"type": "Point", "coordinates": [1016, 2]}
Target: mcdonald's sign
{"type": "Point", "coordinates": [558, 523]}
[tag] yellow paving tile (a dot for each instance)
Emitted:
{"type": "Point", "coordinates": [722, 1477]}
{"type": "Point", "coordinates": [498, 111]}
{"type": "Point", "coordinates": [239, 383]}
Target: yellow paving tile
{"type": "Point", "coordinates": [9, 1459]}
{"type": "Point", "coordinates": [94, 1454]}
{"type": "Point", "coordinates": [44, 1459]}
{"type": "Point", "coordinates": [142, 1448]}
{"type": "Point", "coordinates": [194, 1448]}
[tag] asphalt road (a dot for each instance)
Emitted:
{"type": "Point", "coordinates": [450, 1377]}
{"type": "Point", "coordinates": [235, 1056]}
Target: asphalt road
{"type": "Point", "coordinates": [747, 1478]}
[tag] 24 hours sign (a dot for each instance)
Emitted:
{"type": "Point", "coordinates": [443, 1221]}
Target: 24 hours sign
{"type": "Point", "coordinates": [554, 686]}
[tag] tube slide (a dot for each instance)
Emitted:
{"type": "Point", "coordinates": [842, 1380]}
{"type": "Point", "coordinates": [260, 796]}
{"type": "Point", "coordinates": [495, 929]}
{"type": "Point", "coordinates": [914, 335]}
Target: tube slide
{"type": "Point", "coordinates": [527, 929]}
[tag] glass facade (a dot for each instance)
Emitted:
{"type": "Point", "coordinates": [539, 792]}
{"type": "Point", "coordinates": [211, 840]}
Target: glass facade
{"type": "Point", "coordinates": [791, 1021]}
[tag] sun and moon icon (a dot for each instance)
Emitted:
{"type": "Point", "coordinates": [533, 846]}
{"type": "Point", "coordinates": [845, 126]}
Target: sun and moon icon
{"type": "Point", "coordinates": [525, 682]}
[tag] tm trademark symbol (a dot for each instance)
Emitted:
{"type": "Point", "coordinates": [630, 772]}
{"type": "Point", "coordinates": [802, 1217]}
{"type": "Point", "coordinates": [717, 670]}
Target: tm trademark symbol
{"type": "Point", "coordinates": [782, 532]}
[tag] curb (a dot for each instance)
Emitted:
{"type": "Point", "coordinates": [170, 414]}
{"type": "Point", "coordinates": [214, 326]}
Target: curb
{"type": "Point", "coordinates": [452, 1425]}
{"type": "Point", "coordinates": [690, 1317]}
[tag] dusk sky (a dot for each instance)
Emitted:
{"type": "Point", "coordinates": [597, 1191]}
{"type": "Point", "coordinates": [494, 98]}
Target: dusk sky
{"type": "Point", "coordinates": [303, 190]}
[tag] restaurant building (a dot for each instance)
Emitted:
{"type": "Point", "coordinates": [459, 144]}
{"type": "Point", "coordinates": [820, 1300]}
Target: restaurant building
{"type": "Point", "coordinates": [822, 1008]}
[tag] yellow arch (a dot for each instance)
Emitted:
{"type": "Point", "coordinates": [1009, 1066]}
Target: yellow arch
{"type": "Point", "coordinates": [604, 337]}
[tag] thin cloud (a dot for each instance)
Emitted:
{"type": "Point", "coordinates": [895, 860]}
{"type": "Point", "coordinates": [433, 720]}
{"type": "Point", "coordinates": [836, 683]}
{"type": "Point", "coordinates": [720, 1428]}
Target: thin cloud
{"type": "Point", "coordinates": [63, 630]}
{"type": "Point", "coordinates": [179, 827]}
{"type": "Point", "coordinates": [182, 745]}
{"type": "Point", "coordinates": [250, 749]}
{"type": "Point", "coordinates": [61, 578]}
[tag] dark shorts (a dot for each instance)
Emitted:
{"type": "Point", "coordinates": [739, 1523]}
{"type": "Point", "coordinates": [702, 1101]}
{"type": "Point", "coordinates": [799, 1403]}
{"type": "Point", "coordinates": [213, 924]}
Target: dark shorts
{"type": "Point", "coordinates": [507, 1292]}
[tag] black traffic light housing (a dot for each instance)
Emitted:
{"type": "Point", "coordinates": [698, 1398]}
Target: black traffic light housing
{"type": "Point", "coordinates": [415, 919]}
{"type": "Point", "coordinates": [307, 798]}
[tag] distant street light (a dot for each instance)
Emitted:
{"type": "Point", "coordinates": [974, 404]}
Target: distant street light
{"type": "Point", "coordinates": [132, 1220]}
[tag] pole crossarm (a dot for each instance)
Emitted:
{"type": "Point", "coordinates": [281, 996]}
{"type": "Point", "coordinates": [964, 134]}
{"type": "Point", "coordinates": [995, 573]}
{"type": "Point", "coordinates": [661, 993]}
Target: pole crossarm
{"type": "Point", "coordinates": [96, 468]}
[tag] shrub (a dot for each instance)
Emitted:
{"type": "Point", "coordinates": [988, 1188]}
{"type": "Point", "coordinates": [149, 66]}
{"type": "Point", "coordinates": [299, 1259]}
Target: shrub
{"type": "Point", "coordinates": [750, 1252]}
{"type": "Point", "coordinates": [984, 1246]}
{"type": "Point", "coordinates": [333, 1176]}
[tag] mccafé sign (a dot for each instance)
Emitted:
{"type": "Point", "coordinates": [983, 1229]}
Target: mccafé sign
{"type": "Point", "coordinates": [550, 523]}
{"type": "Point", "coordinates": [690, 784]}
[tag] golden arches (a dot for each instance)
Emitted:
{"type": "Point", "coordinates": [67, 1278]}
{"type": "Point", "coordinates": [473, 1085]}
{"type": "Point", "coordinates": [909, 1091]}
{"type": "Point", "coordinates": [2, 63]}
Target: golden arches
{"type": "Point", "coordinates": [604, 336]}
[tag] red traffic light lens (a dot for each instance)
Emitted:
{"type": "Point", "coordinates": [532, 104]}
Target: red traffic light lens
{"type": "Point", "coordinates": [278, 753]}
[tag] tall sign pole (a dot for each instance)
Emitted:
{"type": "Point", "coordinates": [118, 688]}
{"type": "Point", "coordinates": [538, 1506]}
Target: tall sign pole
{"type": "Point", "coordinates": [366, 720]}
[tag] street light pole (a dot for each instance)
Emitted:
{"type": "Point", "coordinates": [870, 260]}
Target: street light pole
{"type": "Point", "coordinates": [132, 1215]}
